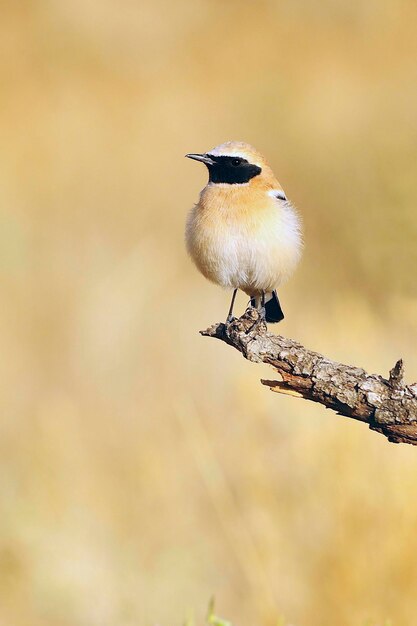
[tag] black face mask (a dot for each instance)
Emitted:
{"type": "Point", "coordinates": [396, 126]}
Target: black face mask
{"type": "Point", "coordinates": [231, 170]}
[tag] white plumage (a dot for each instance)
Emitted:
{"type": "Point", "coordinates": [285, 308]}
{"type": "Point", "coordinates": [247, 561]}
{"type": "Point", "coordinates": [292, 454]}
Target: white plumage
{"type": "Point", "coordinates": [254, 254]}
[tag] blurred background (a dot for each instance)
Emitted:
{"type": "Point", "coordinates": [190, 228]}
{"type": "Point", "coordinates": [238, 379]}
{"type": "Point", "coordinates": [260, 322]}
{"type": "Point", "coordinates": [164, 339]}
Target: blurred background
{"type": "Point", "coordinates": [143, 468]}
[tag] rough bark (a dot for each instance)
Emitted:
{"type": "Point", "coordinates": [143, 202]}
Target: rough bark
{"type": "Point", "coordinates": [387, 405]}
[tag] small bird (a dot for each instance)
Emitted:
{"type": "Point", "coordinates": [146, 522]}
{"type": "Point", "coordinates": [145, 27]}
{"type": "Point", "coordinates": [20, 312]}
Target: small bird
{"type": "Point", "coordinates": [243, 233]}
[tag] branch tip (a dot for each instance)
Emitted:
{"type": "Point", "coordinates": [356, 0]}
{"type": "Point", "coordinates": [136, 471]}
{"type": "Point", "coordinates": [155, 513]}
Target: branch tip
{"type": "Point", "coordinates": [396, 375]}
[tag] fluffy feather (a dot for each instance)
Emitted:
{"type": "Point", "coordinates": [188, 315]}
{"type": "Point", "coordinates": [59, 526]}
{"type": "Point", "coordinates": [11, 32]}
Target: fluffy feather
{"type": "Point", "coordinates": [244, 236]}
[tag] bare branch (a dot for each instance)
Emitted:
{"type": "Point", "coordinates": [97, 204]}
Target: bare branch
{"type": "Point", "coordinates": [387, 405]}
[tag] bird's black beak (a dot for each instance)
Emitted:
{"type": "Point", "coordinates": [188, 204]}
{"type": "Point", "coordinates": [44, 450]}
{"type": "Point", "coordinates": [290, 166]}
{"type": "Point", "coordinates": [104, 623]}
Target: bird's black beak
{"type": "Point", "coordinates": [204, 158]}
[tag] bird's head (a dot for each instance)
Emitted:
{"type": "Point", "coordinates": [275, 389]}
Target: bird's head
{"type": "Point", "coordinates": [233, 163]}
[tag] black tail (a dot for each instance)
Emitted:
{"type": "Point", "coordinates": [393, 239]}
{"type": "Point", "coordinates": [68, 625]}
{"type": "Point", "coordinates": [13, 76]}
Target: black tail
{"type": "Point", "coordinates": [273, 311]}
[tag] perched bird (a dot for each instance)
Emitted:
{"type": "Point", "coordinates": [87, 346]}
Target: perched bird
{"type": "Point", "coordinates": [243, 233]}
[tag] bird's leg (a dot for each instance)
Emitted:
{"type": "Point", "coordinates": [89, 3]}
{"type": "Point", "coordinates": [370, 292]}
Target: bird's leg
{"type": "Point", "coordinates": [230, 314]}
{"type": "Point", "coordinates": [262, 311]}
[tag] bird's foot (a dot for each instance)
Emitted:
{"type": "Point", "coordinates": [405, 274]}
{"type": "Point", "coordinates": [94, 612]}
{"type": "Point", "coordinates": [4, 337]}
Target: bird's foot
{"type": "Point", "coordinates": [253, 320]}
{"type": "Point", "coordinates": [261, 310]}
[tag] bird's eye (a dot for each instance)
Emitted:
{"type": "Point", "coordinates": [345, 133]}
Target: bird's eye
{"type": "Point", "coordinates": [236, 162]}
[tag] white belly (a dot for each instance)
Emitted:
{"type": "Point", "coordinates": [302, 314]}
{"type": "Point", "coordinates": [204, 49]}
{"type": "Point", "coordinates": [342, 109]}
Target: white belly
{"type": "Point", "coordinates": [254, 254]}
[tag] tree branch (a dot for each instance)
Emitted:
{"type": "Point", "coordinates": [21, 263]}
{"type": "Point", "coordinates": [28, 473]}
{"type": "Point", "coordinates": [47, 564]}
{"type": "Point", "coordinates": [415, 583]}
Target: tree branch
{"type": "Point", "coordinates": [387, 405]}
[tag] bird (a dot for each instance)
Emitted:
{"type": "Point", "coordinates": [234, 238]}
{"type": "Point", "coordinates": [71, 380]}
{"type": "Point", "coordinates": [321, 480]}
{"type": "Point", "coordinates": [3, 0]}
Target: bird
{"type": "Point", "coordinates": [243, 233]}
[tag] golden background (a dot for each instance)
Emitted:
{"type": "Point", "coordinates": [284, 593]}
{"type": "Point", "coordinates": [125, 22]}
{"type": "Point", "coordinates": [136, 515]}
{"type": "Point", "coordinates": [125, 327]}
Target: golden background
{"type": "Point", "coordinates": [144, 468]}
